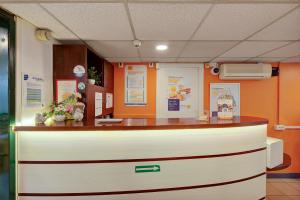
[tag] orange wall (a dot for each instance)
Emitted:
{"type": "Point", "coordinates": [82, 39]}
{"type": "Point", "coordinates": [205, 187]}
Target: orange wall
{"type": "Point", "coordinates": [289, 112]}
{"type": "Point", "coordinates": [123, 111]}
{"type": "Point", "coordinates": [258, 98]}
{"type": "Point", "coordinates": [274, 99]}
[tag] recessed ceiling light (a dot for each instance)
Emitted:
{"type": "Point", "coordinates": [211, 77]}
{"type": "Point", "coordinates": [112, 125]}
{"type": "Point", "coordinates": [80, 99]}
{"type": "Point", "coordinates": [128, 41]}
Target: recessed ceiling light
{"type": "Point", "coordinates": [161, 47]}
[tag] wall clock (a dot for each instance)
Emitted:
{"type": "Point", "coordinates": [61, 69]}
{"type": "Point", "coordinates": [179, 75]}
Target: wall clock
{"type": "Point", "coordinates": [79, 70]}
{"type": "Point", "coordinates": [81, 86]}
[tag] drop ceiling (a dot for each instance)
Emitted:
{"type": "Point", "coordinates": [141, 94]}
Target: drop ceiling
{"type": "Point", "coordinates": [195, 31]}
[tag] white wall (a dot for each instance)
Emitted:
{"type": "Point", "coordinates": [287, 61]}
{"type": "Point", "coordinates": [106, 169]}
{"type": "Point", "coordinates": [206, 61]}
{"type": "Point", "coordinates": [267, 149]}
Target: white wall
{"type": "Point", "coordinates": [32, 57]}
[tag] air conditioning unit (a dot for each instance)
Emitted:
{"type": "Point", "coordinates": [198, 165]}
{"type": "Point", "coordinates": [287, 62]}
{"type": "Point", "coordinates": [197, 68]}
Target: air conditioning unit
{"type": "Point", "coordinates": [245, 71]}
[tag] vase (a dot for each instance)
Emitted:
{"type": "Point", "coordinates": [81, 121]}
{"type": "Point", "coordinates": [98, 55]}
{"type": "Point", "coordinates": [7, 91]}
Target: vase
{"type": "Point", "coordinates": [39, 118]}
{"type": "Point", "coordinates": [92, 81]}
{"type": "Point", "coordinates": [78, 115]}
{"type": "Point", "coordinates": [59, 118]}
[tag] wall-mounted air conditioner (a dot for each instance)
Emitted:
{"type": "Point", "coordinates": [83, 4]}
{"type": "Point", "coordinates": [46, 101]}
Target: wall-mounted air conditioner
{"type": "Point", "coordinates": [245, 71]}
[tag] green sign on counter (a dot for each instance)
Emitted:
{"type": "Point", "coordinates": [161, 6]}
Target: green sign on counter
{"type": "Point", "coordinates": [147, 168]}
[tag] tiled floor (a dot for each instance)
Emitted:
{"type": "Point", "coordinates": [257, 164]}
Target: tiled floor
{"type": "Point", "coordinates": [283, 189]}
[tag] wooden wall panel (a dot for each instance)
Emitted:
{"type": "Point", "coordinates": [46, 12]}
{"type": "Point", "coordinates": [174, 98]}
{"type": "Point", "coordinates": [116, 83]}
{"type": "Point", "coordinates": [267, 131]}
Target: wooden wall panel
{"type": "Point", "coordinates": [66, 57]}
{"type": "Point", "coordinates": [108, 76]}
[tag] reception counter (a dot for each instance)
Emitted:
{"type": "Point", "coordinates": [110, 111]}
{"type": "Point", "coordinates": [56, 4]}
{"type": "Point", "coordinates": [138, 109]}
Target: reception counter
{"type": "Point", "coordinates": [143, 159]}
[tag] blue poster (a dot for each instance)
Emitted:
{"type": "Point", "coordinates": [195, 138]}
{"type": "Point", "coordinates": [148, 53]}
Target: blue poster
{"type": "Point", "coordinates": [173, 104]}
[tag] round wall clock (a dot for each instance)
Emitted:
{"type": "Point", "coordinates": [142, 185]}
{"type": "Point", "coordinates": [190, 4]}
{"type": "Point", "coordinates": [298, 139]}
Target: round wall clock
{"type": "Point", "coordinates": [79, 70]}
{"type": "Point", "coordinates": [81, 86]}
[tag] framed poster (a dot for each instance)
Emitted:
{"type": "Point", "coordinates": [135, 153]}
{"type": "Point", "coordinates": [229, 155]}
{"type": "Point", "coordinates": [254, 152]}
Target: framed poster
{"type": "Point", "coordinates": [220, 92]}
{"type": "Point", "coordinates": [65, 88]}
{"type": "Point", "coordinates": [135, 85]}
{"type": "Point", "coordinates": [179, 90]}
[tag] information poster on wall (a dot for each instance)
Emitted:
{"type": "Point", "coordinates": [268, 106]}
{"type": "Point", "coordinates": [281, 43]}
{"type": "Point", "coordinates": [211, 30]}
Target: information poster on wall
{"type": "Point", "coordinates": [179, 93]}
{"type": "Point", "coordinates": [32, 90]}
{"type": "Point", "coordinates": [65, 88]}
{"type": "Point", "coordinates": [109, 100]}
{"type": "Point", "coordinates": [224, 94]}
{"type": "Point", "coordinates": [98, 103]}
{"type": "Point", "coordinates": [135, 84]}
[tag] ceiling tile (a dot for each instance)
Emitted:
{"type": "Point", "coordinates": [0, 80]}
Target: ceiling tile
{"type": "Point", "coordinates": [241, 59]}
{"type": "Point", "coordinates": [252, 49]}
{"type": "Point", "coordinates": [194, 59]}
{"type": "Point", "coordinates": [94, 21]}
{"type": "Point", "coordinates": [266, 59]}
{"type": "Point", "coordinates": [206, 49]}
{"type": "Point", "coordinates": [284, 29]}
{"type": "Point", "coordinates": [292, 60]}
{"type": "Point", "coordinates": [165, 59]}
{"type": "Point", "coordinates": [148, 49]}
{"type": "Point", "coordinates": [114, 49]}
{"type": "Point", "coordinates": [40, 18]}
{"type": "Point", "coordinates": [123, 59]}
{"type": "Point", "coordinates": [166, 21]}
{"type": "Point", "coordinates": [239, 21]}
{"type": "Point", "coordinates": [290, 50]}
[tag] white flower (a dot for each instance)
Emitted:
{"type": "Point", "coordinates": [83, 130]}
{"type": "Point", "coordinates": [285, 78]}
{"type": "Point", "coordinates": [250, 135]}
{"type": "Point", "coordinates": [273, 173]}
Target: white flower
{"type": "Point", "coordinates": [78, 95]}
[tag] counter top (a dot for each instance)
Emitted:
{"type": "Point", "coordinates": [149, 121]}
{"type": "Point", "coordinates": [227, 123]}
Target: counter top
{"type": "Point", "coordinates": [146, 124]}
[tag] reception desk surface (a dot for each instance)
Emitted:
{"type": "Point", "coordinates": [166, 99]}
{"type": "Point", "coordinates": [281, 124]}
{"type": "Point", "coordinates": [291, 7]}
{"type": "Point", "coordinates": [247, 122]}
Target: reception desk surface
{"type": "Point", "coordinates": [143, 159]}
{"type": "Point", "coordinates": [147, 124]}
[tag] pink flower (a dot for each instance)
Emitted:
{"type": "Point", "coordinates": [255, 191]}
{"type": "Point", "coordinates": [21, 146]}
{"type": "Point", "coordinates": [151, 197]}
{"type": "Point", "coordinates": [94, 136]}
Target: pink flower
{"type": "Point", "coordinates": [69, 108]}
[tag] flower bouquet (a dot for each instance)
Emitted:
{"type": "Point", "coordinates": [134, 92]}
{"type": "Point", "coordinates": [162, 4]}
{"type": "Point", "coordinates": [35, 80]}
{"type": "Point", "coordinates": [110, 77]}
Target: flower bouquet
{"type": "Point", "coordinates": [65, 110]}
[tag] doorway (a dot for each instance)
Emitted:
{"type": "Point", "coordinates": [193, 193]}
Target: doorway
{"type": "Point", "coordinates": [7, 105]}
{"type": "Point", "coordinates": [179, 92]}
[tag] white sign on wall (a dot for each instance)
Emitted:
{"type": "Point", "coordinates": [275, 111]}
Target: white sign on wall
{"type": "Point", "coordinates": [32, 90]}
{"type": "Point", "coordinates": [98, 103]}
{"type": "Point", "coordinates": [179, 90]}
{"type": "Point", "coordinates": [135, 84]}
{"type": "Point", "coordinates": [224, 91]}
{"type": "Point", "coordinates": [109, 100]}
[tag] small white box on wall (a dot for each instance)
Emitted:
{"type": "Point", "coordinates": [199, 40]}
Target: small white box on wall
{"type": "Point", "coordinates": [274, 152]}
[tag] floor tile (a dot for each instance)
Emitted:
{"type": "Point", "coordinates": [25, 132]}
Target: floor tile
{"type": "Point", "coordinates": [295, 185]}
{"type": "Point", "coordinates": [291, 180]}
{"type": "Point", "coordinates": [294, 197]}
{"type": "Point", "coordinates": [271, 190]}
{"type": "Point", "coordinates": [285, 188]}
{"type": "Point", "coordinates": [279, 198]}
{"type": "Point", "coordinates": [275, 180]}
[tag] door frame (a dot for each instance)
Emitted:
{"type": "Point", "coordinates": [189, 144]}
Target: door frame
{"type": "Point", "coordinates": [200, 80]}
{"type": "Point", "coordinates": [7, 20]}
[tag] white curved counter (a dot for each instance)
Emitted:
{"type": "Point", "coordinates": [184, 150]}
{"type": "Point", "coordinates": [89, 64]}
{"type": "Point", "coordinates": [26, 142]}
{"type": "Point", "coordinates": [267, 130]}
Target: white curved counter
{"type": "Point", "coordinates": [209, 162]}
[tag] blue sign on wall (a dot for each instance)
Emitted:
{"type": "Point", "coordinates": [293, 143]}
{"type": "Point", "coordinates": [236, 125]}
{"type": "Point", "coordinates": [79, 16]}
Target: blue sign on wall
{"type": "Point", "coordinates": [173, 104]}
{"type": "Point", "coordinates": [26, 77]}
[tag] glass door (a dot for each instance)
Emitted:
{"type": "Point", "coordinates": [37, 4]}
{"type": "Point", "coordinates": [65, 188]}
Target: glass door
{"type": "Point", "coordinates": [4, 116]}
{"type": "Point", "coordinates": [6, 104]}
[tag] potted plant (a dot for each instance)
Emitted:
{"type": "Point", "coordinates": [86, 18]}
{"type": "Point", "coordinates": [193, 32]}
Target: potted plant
{"type": "Point", "coordinates": [92, 76]}
{"type": "Point", "coordinates": [59, 113]}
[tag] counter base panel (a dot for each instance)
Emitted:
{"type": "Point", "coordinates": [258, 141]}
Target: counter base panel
{"type": "Point", "coordinates": [110, 177]}
{"type": "Point", "coordinates": [233, 156]}
{"type": "Point", "coordinates": [237, 191]}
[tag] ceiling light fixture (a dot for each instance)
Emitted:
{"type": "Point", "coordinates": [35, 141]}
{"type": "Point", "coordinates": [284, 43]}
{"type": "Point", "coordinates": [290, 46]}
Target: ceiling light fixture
{"type": "Point", "coordinates": [161, 47]}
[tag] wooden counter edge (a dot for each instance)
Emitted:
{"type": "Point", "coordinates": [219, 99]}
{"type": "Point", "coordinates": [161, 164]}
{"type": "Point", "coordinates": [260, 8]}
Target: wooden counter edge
{"type": "Point", "coordinates": [124, 127]}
